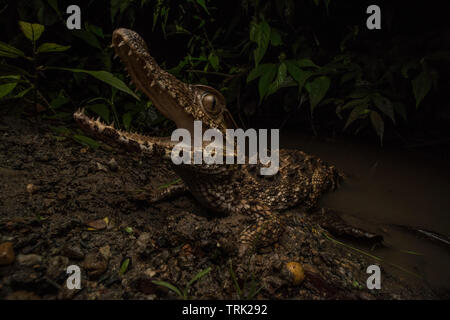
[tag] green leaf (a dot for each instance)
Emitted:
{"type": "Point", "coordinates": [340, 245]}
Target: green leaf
{"type": "Point", "coordinates": [266, 79]}
{"type": "Point", "coordinates": [86, 141]}
{"type": "Point", "coordinates": [127, 120]}
{"type": "Point", "coordinates": [9, 51]}
{"type": "Point", "coordinates": [317, 90]}
{"type": "Point", "coordinates": [302, 63]}
{"type": "Point", "coordinates": [259, 70]}
{"type": "Point", "coordinates": [384, 105]}
{"type": "Point", "coordinates": [298, 74]}
{"type": "Point", "coordinates": [356, 102]}
{"type": "Point", "coordinates": [11, 83]}
{"type": "Point", "coordinates": [203, 5]}
{"type": "Point", "coordinates": [87, 37]}
{"type": "Point", "coordinates": [32, 31]}
{"type": "Point", "coordinates": [22, 93]}
{"type": "Point", "coordinates": [275, 38]}
{"type": "Point", "coordinates": [355, 114]}
{"type": "Point", "coordinates": [100, 109]}
{"type": "Point", "coordinates": [105, 77]}
{"type": "Point", "coordinates": [124, 266]}
{"type": "Point", "coordinates": [59, 101]}
{"type": "Point", "coordinates": [262, 38]}
{"type": "Point", "coordinates": [169, 286]}
{"type": "Point", "coordinates": [129, 230]}
{"type": "Point", "coordinates": [198, 276]}
{"type": "Point", "coordinates": [421, 86]}
{"type": "Point", "coordinates": [52, 47]}
{"type": "Point", "coordinates": [214, 60]}
{"type": "Point", "coordinates": [279, 80]}
{"type": "Point", "coordinates": [378, 124]}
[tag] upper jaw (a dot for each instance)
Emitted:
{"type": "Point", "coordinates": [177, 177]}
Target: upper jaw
{"type": "Point", "coordinates": [170, 95]}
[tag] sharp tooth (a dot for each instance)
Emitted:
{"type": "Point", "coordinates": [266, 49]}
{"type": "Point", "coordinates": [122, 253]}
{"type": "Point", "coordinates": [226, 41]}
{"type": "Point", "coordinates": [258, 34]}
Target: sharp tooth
{"type": "Point", "coordinates": [111, 45]}
{"type": "Point", "coordinates": [98, 119]}
{"type": "Point", "coordinates": [145, 67]}
{"type": "Point", "coordinates": [121, 43]}
{"type": "Point", "coordinates": [130, 52]}
{"type": "Point", "coordinates": [153, 83]}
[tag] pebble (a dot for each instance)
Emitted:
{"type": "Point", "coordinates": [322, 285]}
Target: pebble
{"type": "Point", "coordinates": [73, 252]}
{"type": "Point", "coordinates": [105, 251]}
{"type": "Point", "coordinates": [95, 264]}
{"type": "Point", "coordinates": [112, 164]}
{"type": "Point", "coordinates": [6, 253]}
{"type": "Point", "coordinates": [29, 259]}
{"type": "Point", "coordinates": [101, 167]}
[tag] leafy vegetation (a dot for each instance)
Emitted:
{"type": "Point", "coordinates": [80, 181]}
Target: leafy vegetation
{"type": "Point", "coordinates": [183, 294]}
{"type": "Point", "coordinates": [307, 61]}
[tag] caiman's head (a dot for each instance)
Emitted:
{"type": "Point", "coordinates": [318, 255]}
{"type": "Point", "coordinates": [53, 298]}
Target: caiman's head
{"type": "Point", "coordinates": [178, 101]}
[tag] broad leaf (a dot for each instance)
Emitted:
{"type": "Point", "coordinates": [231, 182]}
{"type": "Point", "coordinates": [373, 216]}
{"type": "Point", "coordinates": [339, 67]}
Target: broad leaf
{"type": "Point", "coordinates": [11, 83]}
{"type": "Point", "coordinates": [87, 37]}
{"type": "Point", "coordinates": [317, 90]}
{"type": "Point", "coordinates": [127, 120]}
{"type": "Point", "coordinates": [105, 77]}
{"type": "Point", "coordinates": [355, 114]}
{"type": "Point", "coordinates": [279, 80]}
{"type": "Point", "coordinates": [298, 74]}
{"type": "Point", "coordinates": [275, 38]}
{"type": "Point", "coordinates": [378, 124]}
{"type": "Point", "coordinates": [262, 38]}
{"type": "Point", "coordinates": [384, 105]}
{"type": "Point", "coordinates": [214, 60]}
{"type": "Point", "coordinates": [259, 70]}
{"type": "Point", "coordinates": [52, 47]}
{"type": "Point", "coordinates": [302, 63]}
{"type": "Point", "coordinates": [100, 109]}
{"type": "Point", "coordinates": [9, 51]}
{"type": "Point", "coordinates": [32, 31]}
{"type": "Point", "coordinates": [203, 5]}
{"type": "Point", "coordinates": [421, 86]}
{"type": "Point", "coordinates": [266, 79]}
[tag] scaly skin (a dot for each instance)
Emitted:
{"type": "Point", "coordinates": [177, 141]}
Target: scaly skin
{"type": "Point", "coordinates": [226, 189]}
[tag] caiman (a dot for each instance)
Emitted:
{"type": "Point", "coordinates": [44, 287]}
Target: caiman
{"type": "Point", "coordinates": [221, 188]}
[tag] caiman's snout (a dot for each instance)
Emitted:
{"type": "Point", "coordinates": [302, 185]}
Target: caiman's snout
{"type": "Point", "coordinates": [180, 102]}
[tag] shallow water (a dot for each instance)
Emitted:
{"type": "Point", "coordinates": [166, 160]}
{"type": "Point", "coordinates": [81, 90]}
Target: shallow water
{"type": "Point", "coordinates": [388, 187]}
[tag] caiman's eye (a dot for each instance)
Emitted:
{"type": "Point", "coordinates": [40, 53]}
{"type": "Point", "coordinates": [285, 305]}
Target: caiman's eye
{"type": "Point", "coordinates": [209, 102]}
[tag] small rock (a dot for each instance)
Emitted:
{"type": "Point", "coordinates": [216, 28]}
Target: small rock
{"type": "Point", "coordinates": [105, 251]}
{"type": "Point", "coordinates": [29, 259]}
{"type": "Point", "coordinates": [99, 224]}
{"type": "Point", "coordinates": [72, 252]}
{"type": "Point", "coordinates": [95, 264]}
{"type": "Point", "coordinates": [6, 253]}
{"type": "Point", "coordinates": [57, 266]}
{"type": "Point", "coordinates": [150, 273]}
{"type": "Point", "coordinates": [101, 167]}
{"type": "Point", "coordinates": [31, 188]}
{"type": "Point", "coordinates": [112, 164]}
{"type": "Point", "coordinates": [143, 241]}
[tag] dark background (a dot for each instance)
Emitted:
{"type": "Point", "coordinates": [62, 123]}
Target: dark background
{"type": "Point", "coordinates": [414, 41]}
